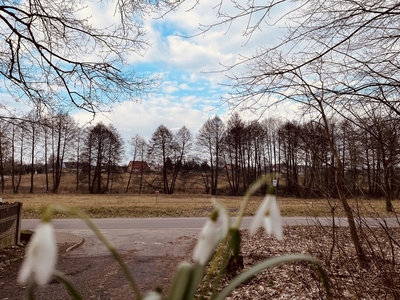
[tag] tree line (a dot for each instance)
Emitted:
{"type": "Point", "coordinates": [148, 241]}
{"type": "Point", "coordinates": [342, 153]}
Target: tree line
{"type": "Point", "coordinates": [296, 154]}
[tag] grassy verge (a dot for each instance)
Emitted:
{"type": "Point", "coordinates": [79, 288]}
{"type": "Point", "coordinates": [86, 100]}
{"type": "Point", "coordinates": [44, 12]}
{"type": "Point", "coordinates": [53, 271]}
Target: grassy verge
{"type": "Point", "coordinates": [122, 205]}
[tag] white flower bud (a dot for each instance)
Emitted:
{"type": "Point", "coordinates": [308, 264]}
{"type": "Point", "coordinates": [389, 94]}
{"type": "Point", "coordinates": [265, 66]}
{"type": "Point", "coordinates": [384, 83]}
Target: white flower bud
{"type": "Point", "coordinates": [211, 234]}
{"type": "Point", "coordinates": [269, 217]}
{"type": "Point", "coordinates": [41, 256]}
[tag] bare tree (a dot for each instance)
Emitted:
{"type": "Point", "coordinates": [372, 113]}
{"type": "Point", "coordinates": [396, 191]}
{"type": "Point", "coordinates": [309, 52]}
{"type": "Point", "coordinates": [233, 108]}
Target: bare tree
{"type": "Point", "coordinates": [272, 157]}
{"type": "Point", "coordinates": [32, 127]}
{"type": "Point", "coordinates": [161, 148]}
{"type": "Point", "coordinates": [321, 106]}
{"type": "Point", "coordinates": [5, 149]}
{"type": "Point", "coordinates": [318, 169]}
{"type": "Point", "coordinates": [209, 140]}
{"type": "Point", "coordinates": [78, 142]}
{"type": "Point", "coordinates": [102, 152]}
{"type": "Point", "coordinates": [290, 146]}
{"type": "Point", "coordinates": [232, 147]}
{"type": "Point", "coordinates": [115, 152]}
{"type": "Point", "coordinates": [170, 151]}
{"type": "Point", "coordinates": [54, 55]}
{"type": "Point", "coordinates": [17, 148]}
{"type": "Point", "coordinates": [183, 144]}
{"type": "Point", "coordinates": [46, 129]}
{"type": "Point", "coordinates": [139, 150]}
{"type": "Point", "coordinates": [380, 127]}
{"type": "Point", "coordinates": [351, 45]}
{"type": "Point", "coordinates": [64, 131]}
{"type": "Point", "coordinates": [356, 41]}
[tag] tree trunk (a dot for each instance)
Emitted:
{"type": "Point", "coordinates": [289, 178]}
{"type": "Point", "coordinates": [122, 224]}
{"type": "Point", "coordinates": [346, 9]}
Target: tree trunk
{"type": "Point", "coordinates": [1, 164]}
{"type": "Point", "coordinates": [339, 187]}
{"type": "Point", "coordinates": [32, 159]}
{"type": "Point", "coordinates": [130, 173]}
{"type": "Point", "coordinates": [362, 260]}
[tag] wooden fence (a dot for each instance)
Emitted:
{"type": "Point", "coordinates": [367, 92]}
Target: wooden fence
{"type": "Point", "coordinates": [10, 223]}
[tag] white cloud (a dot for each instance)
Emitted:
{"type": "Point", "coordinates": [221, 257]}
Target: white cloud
{"type": "Point", "coordinates": [143, 118]}
{"type": "Point", "coordinates": [184, 86]}
{"type": "Point", "coordinates": [169, 87]}
{"type": "Point", "coordinates": [222, 44]}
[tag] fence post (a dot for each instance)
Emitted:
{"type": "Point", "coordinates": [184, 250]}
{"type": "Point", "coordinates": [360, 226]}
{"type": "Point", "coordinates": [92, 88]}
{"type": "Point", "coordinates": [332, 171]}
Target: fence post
{"type": "Point", "coordinates": [18, 229]}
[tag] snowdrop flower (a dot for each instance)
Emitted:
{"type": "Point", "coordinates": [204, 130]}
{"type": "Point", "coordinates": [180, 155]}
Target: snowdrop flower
{"type": "Point", "coordinates": [269, 217]}
{"type": "Point", "coordinates": [41, 256]}
{"type": "Point", "coordinates": [211, 234]}
{"type": "Point", "coordinates": [152, 296]}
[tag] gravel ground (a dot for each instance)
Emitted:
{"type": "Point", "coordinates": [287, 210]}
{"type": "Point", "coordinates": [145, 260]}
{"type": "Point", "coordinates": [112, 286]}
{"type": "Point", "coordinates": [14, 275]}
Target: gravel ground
{"type": "Point", "coordinates": [379, 279]}
{"type": "Point", "coordinates": [101, 278]}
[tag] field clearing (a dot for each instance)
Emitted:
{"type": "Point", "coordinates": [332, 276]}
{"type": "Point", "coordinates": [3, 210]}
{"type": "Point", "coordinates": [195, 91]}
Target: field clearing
{"type": "Point", "coordinates": [128, 205]}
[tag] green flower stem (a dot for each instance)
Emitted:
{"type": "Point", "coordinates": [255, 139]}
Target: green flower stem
{"type": "Point", "coordinates": [47, 214]}
{"type": "Point", "coordinates": [71, 289]}
{"type": "Point", "coordinates": [180, 286]}
{"type": "Point", "coordinates": [31, 290]}
{"type": "Point", "coordinates": [246, 198]}
{"type": "Point", "coordinates": [272, 262]}
{"type": "Point", "coordinates": [215, 272]}
{"type": "Point", "coordinates": [114, 252]}
{"type": "Point", "coordinates": [222, 267]}
{"type": "Point", "coordinates": [197, 276]}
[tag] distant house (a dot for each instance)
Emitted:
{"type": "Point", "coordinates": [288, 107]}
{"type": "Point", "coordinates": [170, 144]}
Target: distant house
{"type": "Point", "coordinates": [137, 166]}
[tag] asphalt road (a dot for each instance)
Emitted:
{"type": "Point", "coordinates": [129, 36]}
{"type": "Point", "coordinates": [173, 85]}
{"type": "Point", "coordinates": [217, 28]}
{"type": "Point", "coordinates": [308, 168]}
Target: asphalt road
{"type": "Point", "coordinates": [158, 236]}
{"type": "Point", "coordinates": [186, 223]}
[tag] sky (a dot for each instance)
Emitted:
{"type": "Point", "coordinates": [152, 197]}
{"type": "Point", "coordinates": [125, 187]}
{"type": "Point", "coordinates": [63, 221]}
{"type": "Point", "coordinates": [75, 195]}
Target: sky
{"type": "Point", "coordinates": [190, 90]}
{"type": "Point", "coordinates": [191, 69]}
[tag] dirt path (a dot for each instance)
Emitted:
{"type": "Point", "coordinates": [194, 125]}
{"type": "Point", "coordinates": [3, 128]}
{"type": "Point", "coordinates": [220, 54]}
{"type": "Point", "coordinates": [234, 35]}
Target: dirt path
{"type": "Point", "coordinates": [96, 277]}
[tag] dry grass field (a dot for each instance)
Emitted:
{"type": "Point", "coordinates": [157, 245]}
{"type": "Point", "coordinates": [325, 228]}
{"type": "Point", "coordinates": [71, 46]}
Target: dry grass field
{"type": "Point", "coordinates": [128, 205]}
{"type": "Point", "coordinates": [120, 204]}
